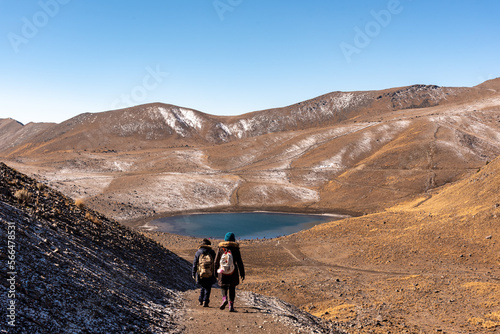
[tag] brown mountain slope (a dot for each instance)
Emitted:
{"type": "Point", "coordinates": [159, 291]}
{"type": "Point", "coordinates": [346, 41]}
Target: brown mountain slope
{"type": "Point", "coordinates": [429, 152]}
{"type": "Point", "coordinates": [9, 126]}
{"type": "Point", "coordinates": [159, 124]}
{"type": "Point", "coordinates": [460, 218]}
{"type": "Point", "coordinates": [430, 265]}
{"type": "Point", "coordinates": [493, 84]}
{"type": "Point", "coordinates": [342, 152]}
{"type": "Point", "coordinates": [14, 134]}
{"type": "Point", "coordinates": [447, 245]}
{"type": "Point", "coordinates": [124, 129]}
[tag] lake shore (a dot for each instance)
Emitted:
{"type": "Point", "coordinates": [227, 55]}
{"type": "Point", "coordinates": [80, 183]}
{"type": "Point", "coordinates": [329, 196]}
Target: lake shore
{"type": "Point", "coordinates": [247, 225]}
{"type": "Point", "coordinates": [145, 223]}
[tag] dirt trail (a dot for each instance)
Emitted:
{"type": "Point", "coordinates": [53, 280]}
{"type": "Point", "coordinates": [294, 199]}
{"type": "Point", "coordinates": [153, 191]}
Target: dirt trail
{"type": "Point", "coordinates": [297, 254]}
{"type": "Point", "coordinates": [211, 319]}
{"type": "Point", "coordinates": [248, 318]}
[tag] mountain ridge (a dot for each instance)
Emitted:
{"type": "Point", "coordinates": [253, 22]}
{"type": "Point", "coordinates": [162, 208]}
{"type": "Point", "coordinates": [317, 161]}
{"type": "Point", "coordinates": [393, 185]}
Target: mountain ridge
{"type": "Point", "coordinates": [160, 122]}
{"type": "Point", "coordinates": [357, 152]}
{"type": "Point", "coordinates": [421, 173]}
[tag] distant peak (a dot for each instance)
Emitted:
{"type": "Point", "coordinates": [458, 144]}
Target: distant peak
{"type": "Point", "coordinates": [490, 84]}
{"type": "Point", "coordinates": [11, 120]}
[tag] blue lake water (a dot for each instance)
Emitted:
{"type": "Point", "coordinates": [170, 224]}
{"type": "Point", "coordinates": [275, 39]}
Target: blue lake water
{"type": "Point", "coordinates": [244, 225]}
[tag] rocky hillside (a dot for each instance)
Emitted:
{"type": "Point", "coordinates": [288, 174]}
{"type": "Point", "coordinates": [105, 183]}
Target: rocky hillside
{"type": "Point", "coordinates": [14, 134]}
{"type": "Point", "coordinates": [69, 269]}
{"type": "Point", "coordinates": [445, 248]}
{"type": "Point", "coordinates": [429, 265]}
{"type": "Point", "coordinates": [72, 270]}
{"type": "Point", "coordinates": [343, 152]}
{"type": "Point", "coordinates": [163, 124]}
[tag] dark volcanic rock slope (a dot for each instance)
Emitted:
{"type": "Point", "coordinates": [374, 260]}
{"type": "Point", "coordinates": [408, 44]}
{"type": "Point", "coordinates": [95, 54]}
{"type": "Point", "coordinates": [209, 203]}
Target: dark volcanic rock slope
{"type": "Point", "coordinates": [69, 269]}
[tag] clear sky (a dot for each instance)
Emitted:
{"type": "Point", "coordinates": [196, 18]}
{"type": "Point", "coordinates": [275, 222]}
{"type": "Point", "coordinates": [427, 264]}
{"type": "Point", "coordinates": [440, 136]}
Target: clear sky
{"type": "Point", "coordinates": [60, 58]}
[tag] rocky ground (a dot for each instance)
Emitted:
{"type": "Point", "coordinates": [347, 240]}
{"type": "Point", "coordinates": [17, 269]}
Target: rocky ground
{"type": "Point", "coordinates": [254, 314]}
{"type": "Point", "coordinates": [69, 269]}
{"type": "Point", "coordinates": [329, 281]}
{"type": "Point", "coordinates": [72, 270]}
{"type": "Point", "coordinates": [416, 167]}
{"type": "Point", "coordinates": [431, 265]}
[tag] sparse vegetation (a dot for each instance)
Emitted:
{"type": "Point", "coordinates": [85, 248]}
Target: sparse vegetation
{"type": "Point", "coordinates": [485, 323]}
{"type": "Point", "coordinates": [93, 218]}
{"type": "Point", "coordinates": [54, 244]}
{"type": "Point", "coordinates": [416, 253]}
{"type": "Point", "coordinates": [80, 203]}
{"type": "Point", "coordinates": [23, 196]}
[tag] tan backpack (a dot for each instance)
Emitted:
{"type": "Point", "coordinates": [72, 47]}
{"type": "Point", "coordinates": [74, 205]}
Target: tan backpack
{"type": "Point", "coordinates": [205, 266]}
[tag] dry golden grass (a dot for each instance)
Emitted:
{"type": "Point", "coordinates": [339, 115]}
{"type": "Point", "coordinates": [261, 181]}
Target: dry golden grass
{"type": "Point", "coordinates": [485, 322]}
{"type": "Point", "coordinates": [331, 310]}
{"type": "Point", "coordinates": [482, 288]}
{"type": "Point", "coordinates": [80, 203]}
{"type": "Point", "coordinates": [23, 196]}
{"type": "Point", "coordinates": [93, 218]}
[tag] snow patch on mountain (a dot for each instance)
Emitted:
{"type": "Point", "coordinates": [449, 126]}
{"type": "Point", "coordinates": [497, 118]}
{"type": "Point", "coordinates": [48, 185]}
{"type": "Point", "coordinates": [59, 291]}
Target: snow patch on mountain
{"type": "Point", "coordinates": [335, 162]}
{"type": "Point", "coordinates": [179, 192]}
{"type": "Point", "coordinates": [224, 128]}
{"type": "Point", "coordinates": [347, 100]}
{"type": "Point", "coordinates": [486, 132]}
{"type": "Point", "coordinates": [301, 146]}
{"type": "Point", "coordinates": [179, 119]}
{"type": "Point", "coordinates": [241, 127]}
{"type": "Point", "coordinates": [377, 135]}
{"type": "Point", "coordinates": [171, 121]}
{"type": "Point", "coordinates": [120, 166]}
{"type": "Point", "coordinates": [189, 117]}
{"type": "Point", "coordinates": [280, 194]}
{"type": "Point", "coordinates": [196, 157]}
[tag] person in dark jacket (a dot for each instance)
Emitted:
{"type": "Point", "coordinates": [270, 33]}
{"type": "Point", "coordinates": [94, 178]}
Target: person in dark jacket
{"type": "Point", "coordinates": [204, 282]}
{"type": "Point", "coordinates": [229, 282]}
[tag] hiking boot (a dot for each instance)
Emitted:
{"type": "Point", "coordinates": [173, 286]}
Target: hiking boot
{"type": "Point", "coordinates": [224, 303]}
{"type": "Point", "coordinates": [205, 304]}
{"type": "Point", "coordinates": [201, 302]}
{"type": "Point", "coordinates": [231, 306]}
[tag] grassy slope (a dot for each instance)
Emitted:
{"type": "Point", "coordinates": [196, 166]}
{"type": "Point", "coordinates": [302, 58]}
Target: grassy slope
{"type": "Point", "coordinates": [448, 244]}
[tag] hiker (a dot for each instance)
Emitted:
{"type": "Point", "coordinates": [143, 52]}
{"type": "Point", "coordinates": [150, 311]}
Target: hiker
{"type": "Point", "coordinates": [229, 267]}
{"type": "Point", "coordinates": [203, 271]}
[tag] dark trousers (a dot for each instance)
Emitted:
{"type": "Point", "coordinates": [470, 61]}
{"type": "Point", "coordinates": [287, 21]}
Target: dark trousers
{"type": "Point", "coordinates": [206, 289]}
{"type": "Point", "coordinates": [232, 292]}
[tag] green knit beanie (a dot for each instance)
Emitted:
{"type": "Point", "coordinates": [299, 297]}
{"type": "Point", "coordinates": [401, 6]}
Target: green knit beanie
{"type": "Point", "coordinates": [229, 237]}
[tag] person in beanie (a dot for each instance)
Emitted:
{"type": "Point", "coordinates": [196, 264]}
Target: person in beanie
{"type": "Point", "coordinates": [229, 268]}
{"type": "Point", "coordinates": [203, 271]}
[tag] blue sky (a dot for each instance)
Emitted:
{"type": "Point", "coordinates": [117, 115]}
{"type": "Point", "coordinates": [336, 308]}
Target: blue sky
{"type": "Point", "coordinates": [60, 58]}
